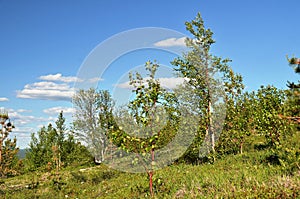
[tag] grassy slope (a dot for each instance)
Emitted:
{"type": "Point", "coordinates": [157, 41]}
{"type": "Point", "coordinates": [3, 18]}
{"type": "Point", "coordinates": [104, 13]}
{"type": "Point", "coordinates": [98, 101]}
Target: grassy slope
{"type": "Point", "coordinates": [239, 176]}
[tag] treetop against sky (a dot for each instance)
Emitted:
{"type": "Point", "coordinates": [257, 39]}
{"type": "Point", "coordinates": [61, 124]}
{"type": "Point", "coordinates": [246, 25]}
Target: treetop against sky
{"type": "Point", "coordinates": [44, 44]}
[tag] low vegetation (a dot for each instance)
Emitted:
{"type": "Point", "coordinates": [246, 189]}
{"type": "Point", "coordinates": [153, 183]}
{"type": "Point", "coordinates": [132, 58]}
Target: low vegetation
{"type": "Point", "coordinates": [248, 175]}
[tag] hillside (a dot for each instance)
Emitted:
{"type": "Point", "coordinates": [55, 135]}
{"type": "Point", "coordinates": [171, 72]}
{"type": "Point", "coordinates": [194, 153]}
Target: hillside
{"type": "Point", "coordinates": [227, 141]}
{"type": "Point", "coordinates": [22, 153]}
{"type": "Point", "coordinates": [236, 176]}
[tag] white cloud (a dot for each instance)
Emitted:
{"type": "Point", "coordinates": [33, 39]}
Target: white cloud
{"type": "Point", "coordinates": [21, 120]}
{"type": "Point", "coordinates": [171, 42]}
{"type": "Point", "coordinates": [58, 109]}
{"type": "Point", "coordinates": [95, 79]}
{"type": "Point", "coordinates": [53, 87]}
{"type": "Point", "coordinates": [23, 111]}
{"type": "Point", "coordinates": [3, 99]}
{"type": "Point", "coordinates": [22, 132]}
{"type": "Point", "coordinates": [27, 124]}
{"type": "Point", "coordinates": [24, 124]}
{"type": "Point", "coordinates": [166, 82]}
{"type": "Point", "coordinates": [47, 91]}
{"type": "Point", "coordinates": [124, 85]}
{"type": "Point", "coordinates": [59, 77]}
{"type": "Point", "coordinates": [172, 82]}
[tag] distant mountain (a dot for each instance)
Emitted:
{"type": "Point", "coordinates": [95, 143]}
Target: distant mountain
{"type": "Point", "coordinates": [21, 154]}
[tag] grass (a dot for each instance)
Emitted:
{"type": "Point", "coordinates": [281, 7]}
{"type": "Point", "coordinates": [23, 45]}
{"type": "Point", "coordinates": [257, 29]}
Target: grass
{"type": "Point", "coordinates": [236, 176]}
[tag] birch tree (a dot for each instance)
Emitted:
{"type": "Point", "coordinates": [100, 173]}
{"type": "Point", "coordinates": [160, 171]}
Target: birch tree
{"type": "Point", "coordinates": [92, 120]}
{"type": "Point", "coordinates": [209, 79]}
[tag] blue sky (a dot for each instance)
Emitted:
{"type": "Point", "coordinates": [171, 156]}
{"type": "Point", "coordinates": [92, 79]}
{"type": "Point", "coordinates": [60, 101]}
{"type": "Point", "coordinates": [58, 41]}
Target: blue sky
{"type": "Point", "coordinates": [44, 43]}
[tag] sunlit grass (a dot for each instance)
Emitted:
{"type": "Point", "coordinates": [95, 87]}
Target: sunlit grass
{"type": "Point", "coordinates": [236, 176]}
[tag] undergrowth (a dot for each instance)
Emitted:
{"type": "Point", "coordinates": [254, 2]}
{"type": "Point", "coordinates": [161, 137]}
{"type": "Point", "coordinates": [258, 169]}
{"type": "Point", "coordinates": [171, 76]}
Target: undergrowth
{"type": "Point", "coordinates": [235, 176]}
